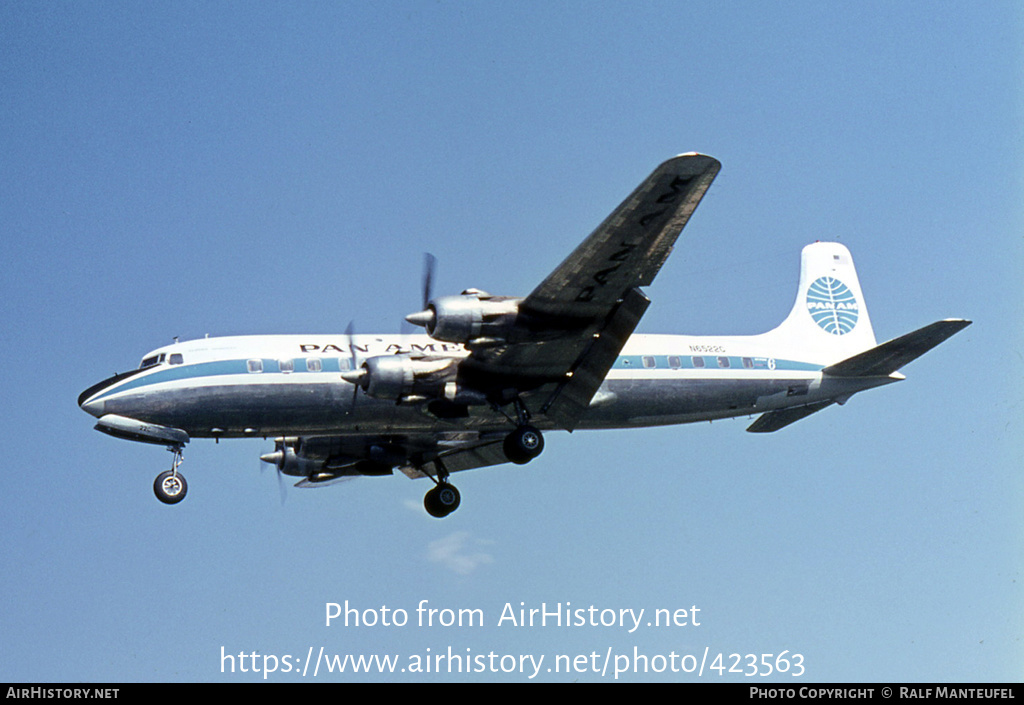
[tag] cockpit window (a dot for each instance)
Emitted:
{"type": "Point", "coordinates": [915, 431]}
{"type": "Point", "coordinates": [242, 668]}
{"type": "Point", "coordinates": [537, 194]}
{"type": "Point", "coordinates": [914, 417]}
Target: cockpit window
{"type": "Point", "coordinates": [152, 360]}
{"type": "Point", "coordinates": [176, 359]}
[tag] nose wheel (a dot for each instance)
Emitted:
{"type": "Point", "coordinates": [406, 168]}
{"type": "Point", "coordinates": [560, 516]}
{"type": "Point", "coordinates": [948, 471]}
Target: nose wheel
{"type": "Point", "coordinates": [170, 486]}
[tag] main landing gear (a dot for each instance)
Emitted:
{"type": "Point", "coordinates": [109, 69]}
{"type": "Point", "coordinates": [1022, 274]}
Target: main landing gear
{"type": "Point", "coordinates": [170, 486]}
{"type": "Point", "coordinates": [521, 446]}
{"type": "Point", "coordinates": [442, 499]}
{"type": "Point", "coordinates": [526, 442]}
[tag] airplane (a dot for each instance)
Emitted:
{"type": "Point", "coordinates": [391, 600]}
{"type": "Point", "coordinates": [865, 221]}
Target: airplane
{"type": "Point", "coordinates": [493, 374]}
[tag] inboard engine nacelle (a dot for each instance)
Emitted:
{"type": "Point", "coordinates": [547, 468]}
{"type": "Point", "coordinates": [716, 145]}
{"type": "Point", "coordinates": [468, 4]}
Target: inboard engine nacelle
{"type": "Point", "coordinates": [402, 377]}
{"type": "Point", "coordinates": [474, 318]}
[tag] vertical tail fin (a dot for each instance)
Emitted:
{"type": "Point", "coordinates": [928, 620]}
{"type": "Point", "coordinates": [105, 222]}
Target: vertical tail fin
{"type": "Point", "coordinates": [829, 321]}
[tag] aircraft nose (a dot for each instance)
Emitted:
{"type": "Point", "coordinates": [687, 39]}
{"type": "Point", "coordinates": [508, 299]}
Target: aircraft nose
{"type": "Point", "coordinates": [89, 405]}
{"type": "Point", "coordinates": [88, 400]}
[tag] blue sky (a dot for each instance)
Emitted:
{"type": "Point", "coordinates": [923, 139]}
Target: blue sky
{"type": "Point", "coordinates": [193, 168]}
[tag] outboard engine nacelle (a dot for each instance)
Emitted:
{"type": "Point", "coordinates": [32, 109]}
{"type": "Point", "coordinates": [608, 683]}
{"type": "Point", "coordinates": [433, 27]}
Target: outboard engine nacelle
{"type": "Point", "coordinates": [287, 461]}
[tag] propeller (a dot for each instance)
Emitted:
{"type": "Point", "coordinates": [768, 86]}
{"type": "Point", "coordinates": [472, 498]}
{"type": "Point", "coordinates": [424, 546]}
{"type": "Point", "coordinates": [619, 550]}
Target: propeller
{"type": "Point", "coordinates": [425, 316]}
{"type": "Point", "coordinates": [277, 460]}
{"type": "Point", "coordinates": [355, 373]}
{"type": "Point", "coordinates": [429, 265]}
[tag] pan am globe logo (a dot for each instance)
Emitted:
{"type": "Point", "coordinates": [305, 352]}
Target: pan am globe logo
{"type": "Point", "coordinates": [832, 305]}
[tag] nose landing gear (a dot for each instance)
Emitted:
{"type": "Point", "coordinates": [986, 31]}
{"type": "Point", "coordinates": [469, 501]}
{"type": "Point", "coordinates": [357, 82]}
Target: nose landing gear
{"type": "Point", "coordinates": [170, 486]}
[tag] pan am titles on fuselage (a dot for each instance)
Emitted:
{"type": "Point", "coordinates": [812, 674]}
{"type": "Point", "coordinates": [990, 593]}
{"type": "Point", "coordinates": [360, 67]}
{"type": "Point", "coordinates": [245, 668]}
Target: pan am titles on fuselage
{"type": "Point", "coordinates": [493, 374]}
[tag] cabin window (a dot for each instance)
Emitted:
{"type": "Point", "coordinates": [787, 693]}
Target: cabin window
{"type": "Point", "coordinates": [748, 363]}
{"type": "Point", "coordinates": [314, 365]}
{"type": "Point", "coordinates": [649, 361]}
{"type": "Point", "coordinates": [723, 362]}
{"type": "Point", "coordinates": [675, 362]}
{"type": "Point", "coordinates": [697, 361]}
{"type": "Point", "coordinates": [176, 359]}
{"type": "Point", "coordinates": [344, 364]}
{"type": "Point", "coordinates": [286, 365]}
{"type": "Point", "coordinates": [254, 365]}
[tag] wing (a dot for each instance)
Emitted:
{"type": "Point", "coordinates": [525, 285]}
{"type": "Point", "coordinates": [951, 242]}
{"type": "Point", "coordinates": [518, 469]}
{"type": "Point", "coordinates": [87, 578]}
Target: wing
{"type": "Point", "coordinates": [574, 324]}
{"type": "Point", "coordinates": [629, 247]}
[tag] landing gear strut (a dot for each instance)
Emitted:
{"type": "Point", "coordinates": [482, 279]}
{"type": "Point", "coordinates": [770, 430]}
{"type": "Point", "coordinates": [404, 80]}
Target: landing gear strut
{"type": "Point", "coordinates": [170, 486]}
{"type": "Point", "coordinates": [442, 499]}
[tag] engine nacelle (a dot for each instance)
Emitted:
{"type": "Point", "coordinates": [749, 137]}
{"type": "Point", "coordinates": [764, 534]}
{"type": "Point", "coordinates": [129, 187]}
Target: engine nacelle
{"type": "Point", "coordinates": [324, 461]}
{"type": "Point", "coordinates": [472, 318]}
{"type": "Point", "coordinates": [403, 378]}
{"type": "Point", "coordinates": [289, 462]}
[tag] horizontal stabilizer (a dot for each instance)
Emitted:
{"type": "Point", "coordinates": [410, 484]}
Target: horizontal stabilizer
{"type": "Point", "coordinates": [886, 358]}
{"type": "Point", "coordinates": [774, 420]}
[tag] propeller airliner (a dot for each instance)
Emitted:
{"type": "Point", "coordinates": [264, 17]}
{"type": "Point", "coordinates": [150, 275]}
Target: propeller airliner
{"type": "Point", "coordinates": [493, 374]}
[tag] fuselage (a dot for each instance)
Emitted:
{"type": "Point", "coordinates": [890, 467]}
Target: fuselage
{"type": "Point", "coordinates": [260, 386]}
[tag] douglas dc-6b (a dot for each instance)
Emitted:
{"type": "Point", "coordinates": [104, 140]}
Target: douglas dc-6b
{"type": "Point", "coordinates": [493, 373]}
